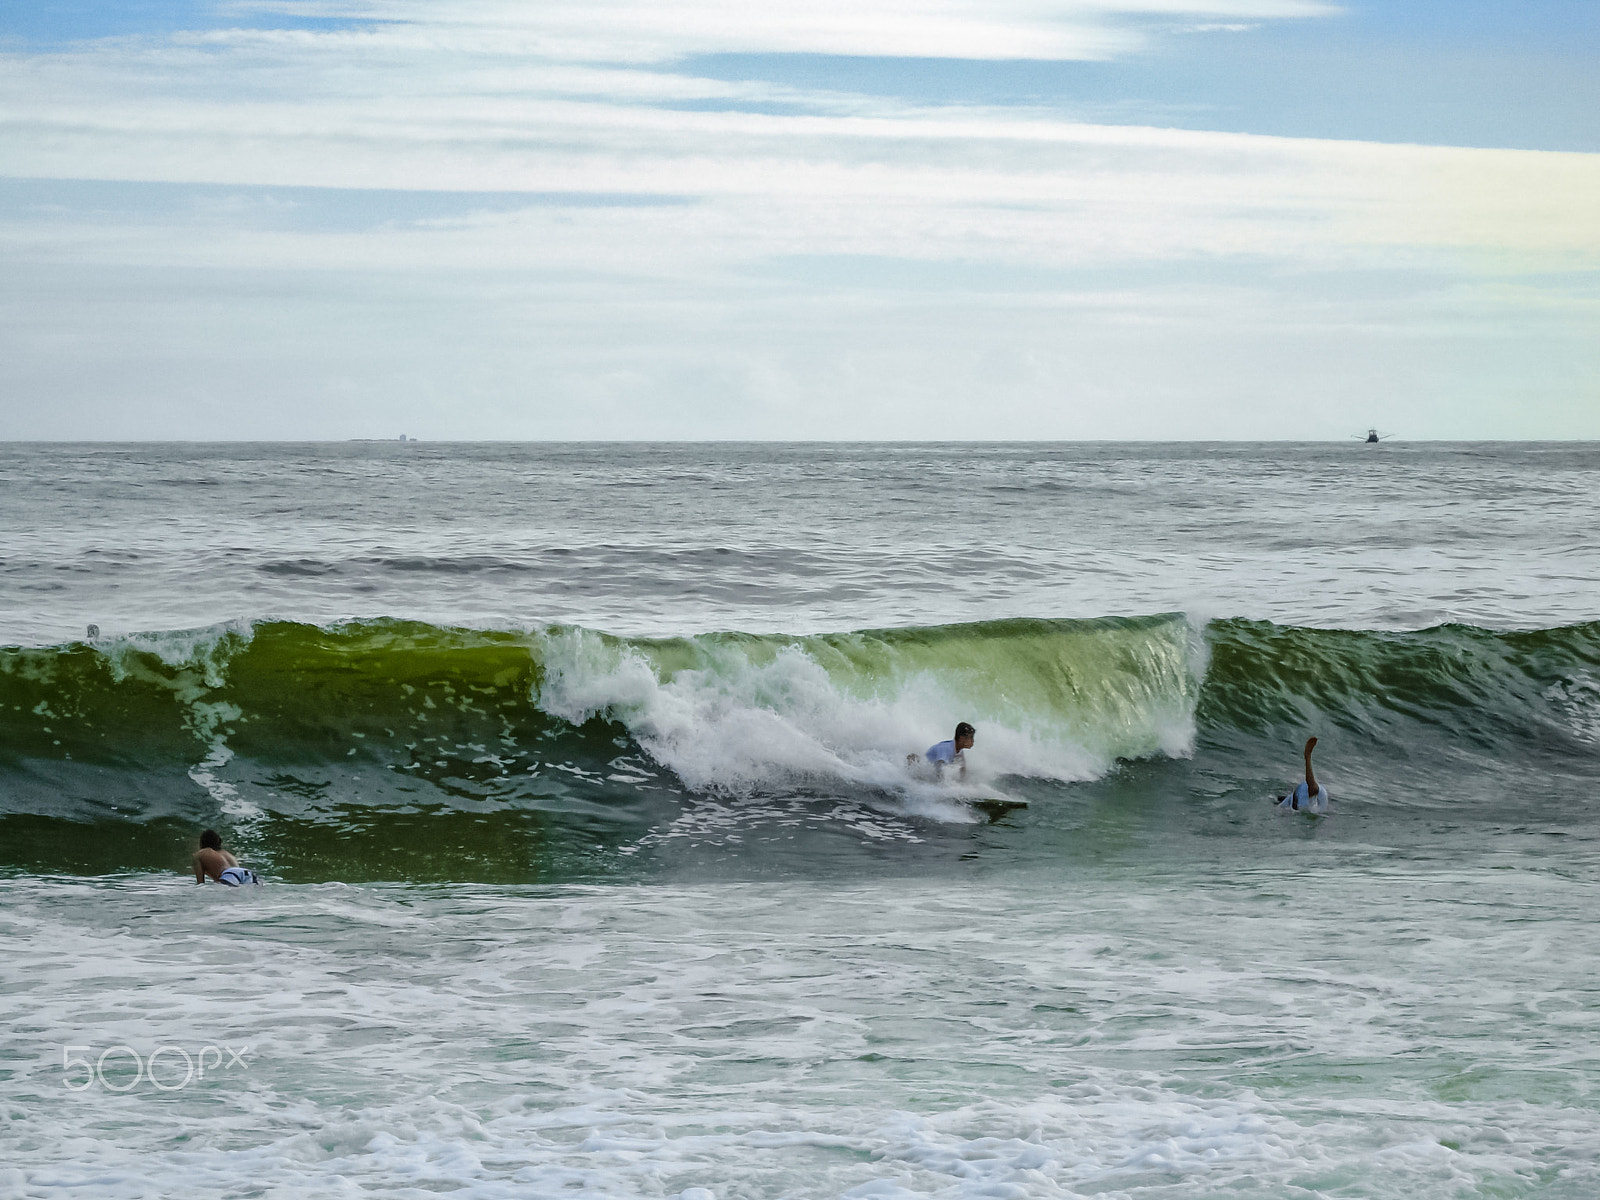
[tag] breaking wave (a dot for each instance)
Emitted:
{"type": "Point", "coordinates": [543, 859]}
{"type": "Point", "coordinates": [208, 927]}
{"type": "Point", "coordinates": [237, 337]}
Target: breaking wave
{"type": "Point", "coordinates": [247, 723]}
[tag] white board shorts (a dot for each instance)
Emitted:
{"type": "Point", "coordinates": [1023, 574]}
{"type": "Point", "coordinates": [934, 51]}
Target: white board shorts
{"type": "Point", "coordinates": [236, 877]}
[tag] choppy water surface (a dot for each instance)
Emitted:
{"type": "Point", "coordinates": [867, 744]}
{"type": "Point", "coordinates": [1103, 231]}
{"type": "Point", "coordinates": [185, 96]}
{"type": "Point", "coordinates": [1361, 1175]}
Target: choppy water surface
{"type": "Point", "coordinates": [578, 774]}
{"type": "Point", "coordinates": [689, 539]}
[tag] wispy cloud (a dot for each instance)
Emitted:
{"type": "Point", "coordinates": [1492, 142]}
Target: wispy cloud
{"type": "Point", "coordinates": [641, 31]}
{"type": "Point", "coordinates": [942, 225]}
{"type": "Point", "coordinates": [873, 176]}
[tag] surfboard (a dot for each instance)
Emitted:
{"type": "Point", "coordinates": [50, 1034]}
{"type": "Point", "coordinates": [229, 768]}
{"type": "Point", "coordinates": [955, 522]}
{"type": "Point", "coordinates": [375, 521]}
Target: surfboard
{"type": "Point", "coordinates": [979, 796]}
{"type": "Point", "coordinates": [995, 807]}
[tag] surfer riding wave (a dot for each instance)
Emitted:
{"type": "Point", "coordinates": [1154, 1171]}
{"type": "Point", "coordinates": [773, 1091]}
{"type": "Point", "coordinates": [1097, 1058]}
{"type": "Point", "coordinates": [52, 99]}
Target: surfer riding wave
{"type": "Point", "coordinates": [949, 755]}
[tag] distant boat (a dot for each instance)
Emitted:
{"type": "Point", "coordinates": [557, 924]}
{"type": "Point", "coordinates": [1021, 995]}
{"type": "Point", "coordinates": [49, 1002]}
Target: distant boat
{"type": "Point", "coordinates": [1372, 436]}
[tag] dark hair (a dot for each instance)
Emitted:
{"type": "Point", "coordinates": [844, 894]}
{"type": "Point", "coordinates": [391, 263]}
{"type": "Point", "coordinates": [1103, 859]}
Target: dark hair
{"type": "Point", "coordinates": [210, 841]}
{"type": "Point", "coordinates": [965, 730]}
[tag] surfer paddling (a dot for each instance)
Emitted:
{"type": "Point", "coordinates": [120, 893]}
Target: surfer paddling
{"type": "Point", "coordinates": [951, 754]}
{"type": "Point", "coordinates": [1309, 796]}
{"type": "Point", "coordinates": [212, 862]}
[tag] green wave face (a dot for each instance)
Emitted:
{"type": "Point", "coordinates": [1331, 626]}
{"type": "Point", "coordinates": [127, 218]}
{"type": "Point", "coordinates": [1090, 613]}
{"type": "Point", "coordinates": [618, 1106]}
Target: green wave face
{"type": "Point", "coordinates": [1506, 694]}
{"type": "Point", "coordinates": [1060, 697]}
{"type": "Point", "coordinates": [395, 749]}
{"type": "Point", "coordinates": [401, 748]}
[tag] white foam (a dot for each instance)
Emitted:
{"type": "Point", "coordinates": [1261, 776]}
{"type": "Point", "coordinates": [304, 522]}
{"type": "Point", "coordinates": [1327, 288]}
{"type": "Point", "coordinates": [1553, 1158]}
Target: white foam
{"type": "Point", "coordinates": [1577, 700]}
{"type": "Point", "coordinates": [741, 724]}
{"type": "Point", "coordinates": [1174, 1039]}
{"type": "Point", "coordinates": [198, 657]}
{"type": "Point", "coordinates": [207, 773]}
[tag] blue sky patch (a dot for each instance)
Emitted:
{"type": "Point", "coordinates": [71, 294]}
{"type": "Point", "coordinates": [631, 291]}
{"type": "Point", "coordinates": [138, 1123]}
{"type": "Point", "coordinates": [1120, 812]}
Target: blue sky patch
{"type": "Point", "coordinates": [1470, 74]}
{"type": "Point", "coordinates": [51, 23]}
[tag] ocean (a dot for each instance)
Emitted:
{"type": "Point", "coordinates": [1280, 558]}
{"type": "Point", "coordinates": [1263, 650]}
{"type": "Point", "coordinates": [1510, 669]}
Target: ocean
{"type": "Point", "coordinates": [577, 777]}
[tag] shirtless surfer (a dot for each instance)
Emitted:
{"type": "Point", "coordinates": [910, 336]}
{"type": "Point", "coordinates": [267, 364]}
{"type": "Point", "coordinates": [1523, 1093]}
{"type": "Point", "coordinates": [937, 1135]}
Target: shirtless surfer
{"type": "Point", "coordinates": [951, 753]}
{"type": "Point", "coordinates": [1309, 796]}
{"type": "Point", "coordinates": [211, 861]}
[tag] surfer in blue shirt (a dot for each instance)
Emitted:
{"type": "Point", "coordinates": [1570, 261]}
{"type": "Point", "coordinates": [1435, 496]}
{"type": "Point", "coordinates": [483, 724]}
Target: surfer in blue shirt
{"type": "Point", "coordinates": [1309, 796]}
{"type": "Point", "coordinates": [953, 752]}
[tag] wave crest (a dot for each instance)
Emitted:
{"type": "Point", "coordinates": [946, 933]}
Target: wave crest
{"type": "Point", "coordinates": [1052, 699]}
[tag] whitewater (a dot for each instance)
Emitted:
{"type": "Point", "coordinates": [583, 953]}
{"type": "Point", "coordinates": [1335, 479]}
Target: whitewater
{"type": "Point", "coordinates": [577, 775]}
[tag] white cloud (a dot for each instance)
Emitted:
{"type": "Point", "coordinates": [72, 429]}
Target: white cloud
{"type": "Point", "coordinates": [644, 31]}
{"type": "Point", "coordinates": [1091, 280]}
{"type": "Point", "coordinates": [483, 97]}
{"type": "Point", "coordinates": [1004, 186]}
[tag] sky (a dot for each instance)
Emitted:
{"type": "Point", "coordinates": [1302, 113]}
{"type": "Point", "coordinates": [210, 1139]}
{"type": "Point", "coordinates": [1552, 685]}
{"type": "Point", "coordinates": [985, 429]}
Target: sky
{"type": "Point", "coordinates": [844, 219]}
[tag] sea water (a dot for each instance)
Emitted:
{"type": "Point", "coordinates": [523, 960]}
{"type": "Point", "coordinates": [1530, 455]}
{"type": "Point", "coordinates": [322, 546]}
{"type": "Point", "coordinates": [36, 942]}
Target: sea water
{"type": "Point", "coordinates": [594, 869]}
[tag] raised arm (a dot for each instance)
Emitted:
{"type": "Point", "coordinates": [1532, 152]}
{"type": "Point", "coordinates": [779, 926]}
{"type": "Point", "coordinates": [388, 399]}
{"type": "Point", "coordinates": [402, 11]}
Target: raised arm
{"type": "Point", "coordinates": [1311, 779]}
